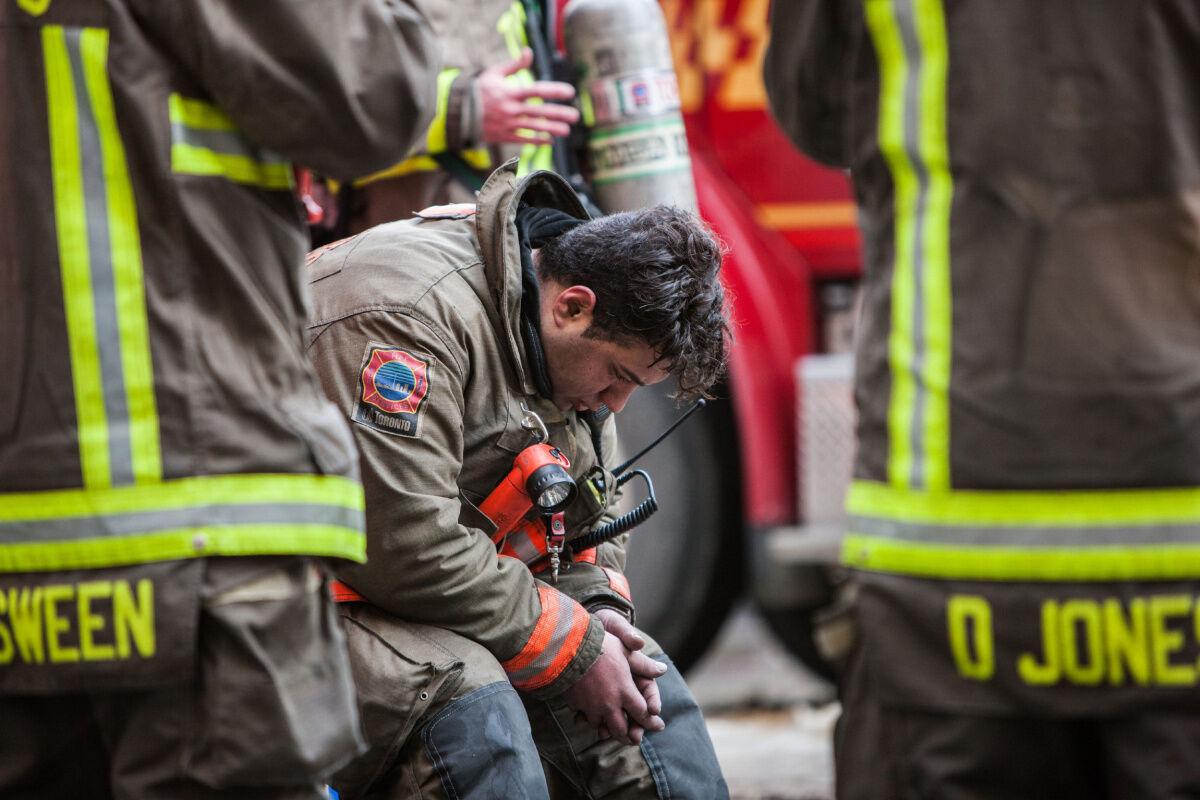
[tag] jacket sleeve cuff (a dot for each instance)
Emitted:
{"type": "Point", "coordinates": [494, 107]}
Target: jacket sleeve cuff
{"type": "Point", "coordinates": [596, 586]}
{"type": "Point", "coordinates": [563, 644]}
{"type": "Point", "coordinates": [464, 118]}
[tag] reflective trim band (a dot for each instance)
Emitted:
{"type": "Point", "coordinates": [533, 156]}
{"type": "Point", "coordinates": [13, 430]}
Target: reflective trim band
{"type": "Point", "coordinates": [435, 137]}
{"type": "Point", "coordinates": [618, 583]}
{"type": "Point", "coordinates": [204, 141]}
{"type": "Point", "coordinates": [1153, 561]}
{"type": "Point", "coordinates": [479, 159]}
{"type": "Point", "coordinates": [191, 160]}
{"type": "Point", "coordinates": [1016, 535]}
{"type": "Point", "coordinates": [184, 518]}
{"type": "Point", "coordinates": [511, 25]}
{"type": "Point", "coordinates": [208, 490]}
{"type": "Point", "coordinates": [101, 265]}
{"type": "Point", "coordinates": [198, 115]}
{"type": "Point", "coordinates": [1119, 507]}
{"type": "Point", "coordinates": [132, 321]}
{"type": "Point", "coordinates": [535, 157]}
{"type": "Point", "coordinates": [233, 540]}
{"type": "Point", "coordinates": [910, 41]}
{"type": "Point", "coordinates": [132, 524]}
{"type": "Point", "coordinates": [556, 638]}
{"type": "Point", "coordinates": [520, 545]}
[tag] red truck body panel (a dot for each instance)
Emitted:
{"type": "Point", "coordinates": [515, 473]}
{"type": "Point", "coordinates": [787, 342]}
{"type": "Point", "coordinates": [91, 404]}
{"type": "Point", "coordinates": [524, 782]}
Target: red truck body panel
{"type": "Point", "coordinates": [789, 222]}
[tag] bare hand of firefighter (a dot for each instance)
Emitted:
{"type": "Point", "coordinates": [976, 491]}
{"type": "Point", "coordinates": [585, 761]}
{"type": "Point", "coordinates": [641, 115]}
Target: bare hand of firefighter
{"type": "Point", "coordinates": [518, 113]}
{"type": "Point", "coordinates": [643, 668]}
{"type": "Point", "coordinates": [617, 694]}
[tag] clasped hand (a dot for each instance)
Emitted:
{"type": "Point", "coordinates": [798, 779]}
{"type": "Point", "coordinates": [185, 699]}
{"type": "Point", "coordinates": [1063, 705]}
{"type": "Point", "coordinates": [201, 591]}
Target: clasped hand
{"type": "Point", "coordinates": [618, 694]}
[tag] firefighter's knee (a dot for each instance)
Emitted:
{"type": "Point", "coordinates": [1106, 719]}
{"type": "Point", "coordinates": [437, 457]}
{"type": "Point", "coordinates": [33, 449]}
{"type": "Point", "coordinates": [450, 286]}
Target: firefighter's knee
{"type": "Point", "coordinates": [681, 757]}
{"type": "Point", "coordinates": [481, 746]}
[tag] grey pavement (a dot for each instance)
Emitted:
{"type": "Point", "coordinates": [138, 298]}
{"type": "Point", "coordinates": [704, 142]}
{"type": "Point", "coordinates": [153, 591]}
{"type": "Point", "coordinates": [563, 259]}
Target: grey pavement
{"type": "Point", "coordinates": [770, 718]}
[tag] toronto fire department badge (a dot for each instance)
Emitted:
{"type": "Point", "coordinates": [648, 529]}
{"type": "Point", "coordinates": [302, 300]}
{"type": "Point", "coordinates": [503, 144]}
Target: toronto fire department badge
{"type": "Point", "coordinates": [392, 391]}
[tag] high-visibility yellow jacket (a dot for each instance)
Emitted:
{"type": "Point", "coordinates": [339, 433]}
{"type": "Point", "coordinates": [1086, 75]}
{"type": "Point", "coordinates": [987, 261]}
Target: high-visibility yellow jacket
{"type": "Point", "coordinates": [156, 400]}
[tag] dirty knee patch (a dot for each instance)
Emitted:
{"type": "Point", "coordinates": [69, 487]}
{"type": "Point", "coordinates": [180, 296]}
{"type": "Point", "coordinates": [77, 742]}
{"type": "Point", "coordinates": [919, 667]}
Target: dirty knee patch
{"type": "Point", "coordinates": [481, 747]}
{"type": "Point", "coordinates": [392, 388]}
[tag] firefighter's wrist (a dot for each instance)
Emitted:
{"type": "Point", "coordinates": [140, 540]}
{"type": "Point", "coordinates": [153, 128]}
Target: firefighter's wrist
{"type": "Point", "coordinates": [589, 652]}
{"type": "Point", "coordinates": [464, 119]}
{"type": "Point", "coordinates": [603, 603]}
{"type": "Point", "coordinates": [613, 601]}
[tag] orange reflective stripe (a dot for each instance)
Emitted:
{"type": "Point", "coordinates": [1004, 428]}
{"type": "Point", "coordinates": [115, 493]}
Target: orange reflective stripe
{"type": "Point", "coordinates": [618, 582]}
{"type": "Point", "coordinates": [587, 556]}
{"type": "Point", "coordinates": [579, 626]}
{"type": "Point", "coordinates": [543, 631]}
{"type": "Point", "coordinates": [555, 640]}
{"type": "Point", "coordinates": [527, 543]}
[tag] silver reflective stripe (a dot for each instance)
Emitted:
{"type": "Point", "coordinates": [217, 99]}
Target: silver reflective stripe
{"type": "Point", "coordinates": [1026, 536]}
{"type": "Point", "coordinates": [906, 21]}
{"type": "Point", "coordinates": [68, 528]}
{"type": "Point", "coordinates": [523, 547]}
{"type": "Point", "coordinates": [545, 659]}
{"type": "Point", "coordinates": [229, 143]}
{"type": "Point", "coordinates": [108, 335]}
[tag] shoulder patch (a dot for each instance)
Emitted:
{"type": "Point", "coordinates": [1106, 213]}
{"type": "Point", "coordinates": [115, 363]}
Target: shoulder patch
{"type": "Point", "coordinates": [451, 211]}
{"type": "Point", "coordinates": [392, 389]}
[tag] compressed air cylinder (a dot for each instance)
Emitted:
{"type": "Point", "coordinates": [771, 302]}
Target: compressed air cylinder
{"type": "Point", "coordinates": [629, 98]}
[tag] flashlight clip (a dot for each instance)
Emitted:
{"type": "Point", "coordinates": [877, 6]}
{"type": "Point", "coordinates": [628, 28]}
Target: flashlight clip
{"type": "Point", "coordinates": [531, 422]}
{"type": "Point", "coordinates": [556, 537]}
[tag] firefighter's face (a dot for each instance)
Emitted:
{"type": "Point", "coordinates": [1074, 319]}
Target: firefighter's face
{"type": "Point", "coordinates": [588, 372]}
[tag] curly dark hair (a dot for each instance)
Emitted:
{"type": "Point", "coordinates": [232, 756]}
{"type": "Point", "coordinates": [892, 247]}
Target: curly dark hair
{"type": "Point", "coordinates": [655, 273]}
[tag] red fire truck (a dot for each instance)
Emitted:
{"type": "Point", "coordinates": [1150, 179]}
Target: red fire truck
{"type": "Point", "coordinates": [751, 488]}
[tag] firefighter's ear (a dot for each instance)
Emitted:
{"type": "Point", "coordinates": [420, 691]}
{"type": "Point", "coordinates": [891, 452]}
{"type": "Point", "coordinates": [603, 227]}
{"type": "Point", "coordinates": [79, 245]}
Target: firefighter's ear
{"type": "Point", "coordinates": [573, 307]}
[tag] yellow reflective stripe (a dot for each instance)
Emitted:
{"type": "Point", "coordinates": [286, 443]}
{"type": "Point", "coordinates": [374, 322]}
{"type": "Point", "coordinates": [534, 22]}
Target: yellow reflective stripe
{"type": "Point", "coordinates": [587, 111]}
{"type": "Point", "coordinates": [893, 73]}
{"type": "Point", "coordinates": [70, 217]}
{"type": "Point", "coordinates": [535, 157]}
{"type": "Point", "coordinates": [931, 29]}
{"type": "Point", "coordinates": [1110, 507]}
{"type": "Point", "coordinates": [478, 158]}
{"type": "Point", "coordinates": [191, 160]}
{"type": "Point", "coordinates": [205, 141]}
{"type": "Point", "coordinates": [333, 541]}
{"type": "Point", "coordinates": [435, 137]}
{"type": "Point", "coordinates": [34, 7]}
{"type": "Point", "coordinates": [125, 243]}
{"type": "Point", "coordinates": [278, 489]}
{"type": "Point", "coordinates": [511, 26]}
{"type": "Point", "coordinates": [198, 114]}
{"type": "Point", "coordinates": [912, 139]}
{"type": "Point", "coordinates": [1143, 562]}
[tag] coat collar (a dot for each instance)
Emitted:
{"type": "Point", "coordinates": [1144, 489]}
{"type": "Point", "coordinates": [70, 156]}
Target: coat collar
{"type": "Point", "coordinates": [496, 231]}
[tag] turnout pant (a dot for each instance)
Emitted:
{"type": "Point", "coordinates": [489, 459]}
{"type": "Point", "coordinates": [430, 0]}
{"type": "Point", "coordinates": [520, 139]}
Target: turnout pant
{"type": "Point", "coordinates": [267, 712]}
{"type": "Point", "coordinates": [442, 721]}
{"type": "Point", "coordinates": [949, 738]}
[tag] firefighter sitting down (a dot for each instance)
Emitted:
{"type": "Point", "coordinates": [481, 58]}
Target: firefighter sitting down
{"type": "Point", "coordinates": [452, 341]}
